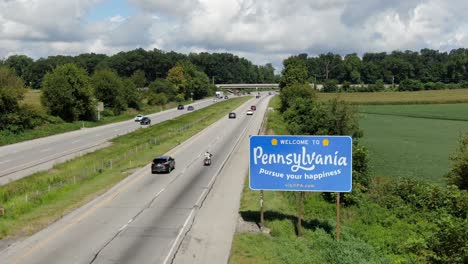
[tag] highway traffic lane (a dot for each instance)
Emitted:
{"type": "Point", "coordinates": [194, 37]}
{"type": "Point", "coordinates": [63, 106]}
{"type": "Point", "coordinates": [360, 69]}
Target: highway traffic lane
{"type": "Point", "coordinates": [210, 237]}
{"type": "Point", "coordinates": [141, 199]}
{"type": "Point", "coordinates": [18, 157]}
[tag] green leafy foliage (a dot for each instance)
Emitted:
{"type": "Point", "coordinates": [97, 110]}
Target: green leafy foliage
{"type": "Point", "coordinates": [109, 88]}
{"type": "Point", "coordinates": [330, 86]}
{"type": "Point", "coordinates": [458, 175]}
{"type": "Point", "coordinates": [290, 93]}
{"type": "Point", "coordinates": [294, 72]}
{"type": "Point", "coordinates": [410, 85]}
{"type": "Point", "coordinates": [67, 93]}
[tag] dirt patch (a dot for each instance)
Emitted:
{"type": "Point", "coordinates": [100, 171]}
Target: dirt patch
{"type": "Point", "coordinates": [249, 227]}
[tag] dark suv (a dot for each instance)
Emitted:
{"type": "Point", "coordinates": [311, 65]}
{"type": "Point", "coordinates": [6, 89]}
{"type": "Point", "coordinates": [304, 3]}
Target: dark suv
{"type": "Point", "coordinates": [180, 107]}
{"type": "Point", "coordinates": [145, 121]}
{"type": "Point", "coordinates": [163, 164]}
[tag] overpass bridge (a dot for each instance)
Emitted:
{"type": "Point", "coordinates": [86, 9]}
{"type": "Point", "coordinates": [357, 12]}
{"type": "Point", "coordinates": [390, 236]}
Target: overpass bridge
{"type": "Point", "coordinates": [257, 86]}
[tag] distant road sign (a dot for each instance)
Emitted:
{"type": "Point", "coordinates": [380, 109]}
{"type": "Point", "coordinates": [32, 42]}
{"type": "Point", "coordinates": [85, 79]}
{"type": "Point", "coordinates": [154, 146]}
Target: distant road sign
{"type": "Point", "coordinates": [301, 163]}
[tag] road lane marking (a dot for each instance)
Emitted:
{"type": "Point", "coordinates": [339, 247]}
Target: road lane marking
{"type": "Point", "coordinates": [82, 217]}
{"type": "Point", "coordinates": [76, 141]}
{"type": "Point", "coordinates": [4, 161]}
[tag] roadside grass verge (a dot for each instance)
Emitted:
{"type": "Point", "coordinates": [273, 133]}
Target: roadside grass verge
{"type": "Point", "coordinates": [7, 137]}
{"type": "Point", "coordinates": [35, 201]}
{"type": "Point", "coordinates": [412, 141]}
{"type": "Point", "coordinates": [419, 97]}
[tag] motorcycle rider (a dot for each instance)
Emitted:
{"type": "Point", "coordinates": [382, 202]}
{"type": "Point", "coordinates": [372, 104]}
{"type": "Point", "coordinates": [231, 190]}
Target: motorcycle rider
{"type": "Point", "coordinates": [208, 155]}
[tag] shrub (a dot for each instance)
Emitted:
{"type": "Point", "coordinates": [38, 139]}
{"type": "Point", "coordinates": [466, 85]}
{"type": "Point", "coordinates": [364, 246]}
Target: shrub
{"type": "Point", "coordinates": [330, 86]}
{"type": "Point", "coordinates": [410, 85]}
{"type": "Point", "coordinates": [458, 175]}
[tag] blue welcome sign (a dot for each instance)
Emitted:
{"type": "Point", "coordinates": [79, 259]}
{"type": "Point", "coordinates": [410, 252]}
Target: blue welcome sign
{"type": "Point", "coordinates": [301, 163]}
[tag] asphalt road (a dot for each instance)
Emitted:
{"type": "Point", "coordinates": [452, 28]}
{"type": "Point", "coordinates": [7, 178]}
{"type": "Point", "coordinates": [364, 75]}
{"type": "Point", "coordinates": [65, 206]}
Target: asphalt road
{"type": "Point", "coordinates": [146, 218]}
{"type": "Point", "coordinates": [23, 159]}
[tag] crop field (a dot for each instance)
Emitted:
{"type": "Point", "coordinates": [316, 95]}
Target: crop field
{"type": "Point", "coordinates": [420, 97]}
{"type": "Point", "coordinates": [412, 141]}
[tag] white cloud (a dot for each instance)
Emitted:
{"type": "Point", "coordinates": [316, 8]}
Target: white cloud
{"type": "Point", "coordinates": [261, 30]}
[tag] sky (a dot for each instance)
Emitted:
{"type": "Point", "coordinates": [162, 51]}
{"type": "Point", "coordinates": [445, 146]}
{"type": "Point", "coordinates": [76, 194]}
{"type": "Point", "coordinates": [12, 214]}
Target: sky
{"type": "Point", "coordinates": [263, 31]}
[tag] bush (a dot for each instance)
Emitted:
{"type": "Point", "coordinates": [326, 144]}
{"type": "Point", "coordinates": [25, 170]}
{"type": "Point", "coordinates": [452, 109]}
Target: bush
{"type": "Point", "coordinates": [458, 175]}
{"type": "Point", "coordinates": [330, 86]}
{"type": "Point", "coordinates": [157, 99]}
{"type": "Point", "coordinates": [450, 242]}
{"type": "Point", "coordinates": [410, 85]}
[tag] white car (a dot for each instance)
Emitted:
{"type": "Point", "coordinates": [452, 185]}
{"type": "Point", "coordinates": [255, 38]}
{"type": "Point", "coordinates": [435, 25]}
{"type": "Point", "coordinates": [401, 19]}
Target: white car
{"type": "Point", "coordinates": [138, 118]}
{"type": "Point", "coordinates": [249, 112]}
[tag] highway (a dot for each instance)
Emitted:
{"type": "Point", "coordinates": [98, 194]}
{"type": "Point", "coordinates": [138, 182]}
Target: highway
{"type": "Point", "coordinates": [186, 216]}
{"type": "Point", "coordinates": [23, 159]}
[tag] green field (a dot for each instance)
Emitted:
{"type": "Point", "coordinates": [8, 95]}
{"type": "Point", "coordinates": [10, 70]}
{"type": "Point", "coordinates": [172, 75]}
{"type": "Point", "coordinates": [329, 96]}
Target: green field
{"type": "Point", "coordinates": [412, 140]}
{"type": "Point", "coordinates": [419, 97]}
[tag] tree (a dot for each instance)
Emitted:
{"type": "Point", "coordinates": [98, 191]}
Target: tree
{"type": "Point", "coordinates": [294, 72]}
{"type": "Point", "coordinates": [163, 86]}
{"type": "Point", "coordinates": [67, 93]}
{"type": "Point", "coordinates": [189, 81]}
{"type": "Point", "coordinates": [157, 99]}
{"type": "Point", "coordinates": [11, 93]}
{"type": "Point", "coordinates": [458, 175]}
{"type": "Point", "coordinates": [138, 78]}
{"type": "Point", "coordinates": [410, 85]}
{"type": "Point", "coordinates": [292, 92]}
{"type": "Point", "coordinates": [176, 76]}
{"type": "Point", "coordinates": [89, 61]}
{"type": "Point", "coordinates": [330, 86]}
{"type": "Point", "coordinates": [108, 88]}
{"type": "Point", "coordinates": [19, 63]}
{"type": "Point", "coordinates": [131, 94]}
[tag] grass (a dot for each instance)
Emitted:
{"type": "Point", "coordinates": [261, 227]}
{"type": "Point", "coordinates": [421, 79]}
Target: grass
{"type": "Point", "coordinates": [32, 97]}
{"type": "Point", "coordinates": [412, 141]}
{"type": "Point", "coordinates": [35, 201]}
{"type": "Point", "coordinates": [419, 97]}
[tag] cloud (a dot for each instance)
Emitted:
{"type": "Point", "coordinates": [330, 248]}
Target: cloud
{"type": "Point", "coordinates": [263, 31]}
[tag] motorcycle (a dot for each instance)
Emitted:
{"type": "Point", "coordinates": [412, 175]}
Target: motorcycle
{"type": "Point", "coordinates": [207, 161]}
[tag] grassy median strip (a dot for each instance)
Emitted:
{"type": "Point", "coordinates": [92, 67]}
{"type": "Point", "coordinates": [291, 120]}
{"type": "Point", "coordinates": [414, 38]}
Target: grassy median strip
{"type": "Point", "coordinates": [34, 202]}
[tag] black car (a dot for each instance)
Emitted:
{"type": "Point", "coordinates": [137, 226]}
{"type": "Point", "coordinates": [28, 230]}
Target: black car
{"type": "Point", "coordinates": [180, 107]}
{"type": "Point", "coordinates": [190, 108]}
{"type": "Point", "coordinates": [145, 121]}
{"type": "Point", "coordinates": [232, 115]}
{"type": "Point", "coordinates": [226, 97]}
{"type": "Point", "coordinates": [163, 164]}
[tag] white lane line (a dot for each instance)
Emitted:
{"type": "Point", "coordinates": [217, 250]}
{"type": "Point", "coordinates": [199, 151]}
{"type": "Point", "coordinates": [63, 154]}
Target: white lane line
{"type": "Point", "coordinates": [45, 150]}
{"type": "Point", "coordinates": [4, 161]}
{"type": "Point", "coordinates": [117, 129]}
{"type": "Point", "coordinates": [76, 141]}
{"type": "Point", "coordinates": [97, 135]}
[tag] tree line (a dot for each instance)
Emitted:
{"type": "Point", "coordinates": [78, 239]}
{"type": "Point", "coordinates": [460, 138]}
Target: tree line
{"type": "Point", "coordinates": [219, 67]}
{"type": "Point", "coordinates": [409, 70]}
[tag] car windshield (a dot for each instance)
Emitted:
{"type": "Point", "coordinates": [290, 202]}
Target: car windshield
{"type": "Point", "coordinates": [159, 160]}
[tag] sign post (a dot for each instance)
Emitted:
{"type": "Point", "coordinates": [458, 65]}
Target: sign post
{"type": "Point", "coordinates": [303, 164]}
{"type": "Point", "coordinates": [99, 108]}
{"type": "Point", "coordinates": [338, 216]}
